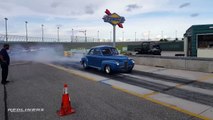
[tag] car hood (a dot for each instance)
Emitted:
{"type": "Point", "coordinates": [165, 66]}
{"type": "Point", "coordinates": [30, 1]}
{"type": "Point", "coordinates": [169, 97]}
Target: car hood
{"type": "Point", "coordinates": [117, 57]}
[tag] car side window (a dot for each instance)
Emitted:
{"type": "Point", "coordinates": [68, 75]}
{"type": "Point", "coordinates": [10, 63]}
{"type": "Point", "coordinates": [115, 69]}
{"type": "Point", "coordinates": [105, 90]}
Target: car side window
{"type": "Point", "coordinates": [106, 51]}
{"type": "Point", "coordinates": [97, 51]}
{"type": "Point", "coordinates": [91, 52]}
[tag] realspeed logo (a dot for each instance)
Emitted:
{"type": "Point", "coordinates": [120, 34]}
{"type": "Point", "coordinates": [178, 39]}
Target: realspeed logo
{"type": "Point", "coordinates": [113, 19]}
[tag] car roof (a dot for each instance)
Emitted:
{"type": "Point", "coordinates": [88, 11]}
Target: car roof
{"type": "Point", "coordinates": [103, 46]}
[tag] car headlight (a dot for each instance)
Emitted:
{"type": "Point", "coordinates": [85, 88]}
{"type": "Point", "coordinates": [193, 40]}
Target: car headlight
{"type": "Point", "coordinates": [117, 63]}
{"type": "Point", "coordinates": [133, 61]}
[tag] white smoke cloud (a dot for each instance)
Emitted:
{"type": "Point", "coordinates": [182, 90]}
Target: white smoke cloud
{"type": "Point", "coordinates": [42, 54]}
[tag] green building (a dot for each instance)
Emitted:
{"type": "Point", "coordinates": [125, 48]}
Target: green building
{"type": "Point", "coordinates": [198, 37]}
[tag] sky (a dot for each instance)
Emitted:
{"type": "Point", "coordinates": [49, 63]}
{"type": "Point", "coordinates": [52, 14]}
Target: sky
{"type": "Point", "coordinates": [144, 18]}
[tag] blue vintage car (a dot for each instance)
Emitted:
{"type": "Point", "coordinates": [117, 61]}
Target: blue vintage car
{"type": "Point", "coordinates": [107, 59]}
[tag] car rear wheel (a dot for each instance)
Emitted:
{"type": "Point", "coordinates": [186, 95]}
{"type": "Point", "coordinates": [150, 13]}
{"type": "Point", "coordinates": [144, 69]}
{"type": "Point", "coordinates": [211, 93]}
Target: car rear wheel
{"type": "Point", "coordinates": [107, 69]}
{"type": "Point", "coordinates": [85, 65]}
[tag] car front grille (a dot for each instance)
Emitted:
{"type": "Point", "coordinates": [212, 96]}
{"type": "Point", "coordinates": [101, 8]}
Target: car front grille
{"type": "Point", "coordinates": [126, 65]}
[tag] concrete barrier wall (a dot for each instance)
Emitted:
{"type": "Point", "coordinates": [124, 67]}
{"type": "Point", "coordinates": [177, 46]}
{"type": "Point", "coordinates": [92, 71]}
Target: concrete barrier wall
{"type": "Point", "coordinates": [184, 63]}
{"type": "Point", "coordinates": [206, 52]}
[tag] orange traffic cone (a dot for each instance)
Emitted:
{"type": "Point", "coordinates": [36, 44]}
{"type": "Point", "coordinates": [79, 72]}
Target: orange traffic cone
{"type": "Point", "coordinates": [65, 104]}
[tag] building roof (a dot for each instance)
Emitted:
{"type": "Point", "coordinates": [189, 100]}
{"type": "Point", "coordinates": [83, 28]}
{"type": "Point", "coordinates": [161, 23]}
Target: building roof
{"type": "Point", "coordinates": [205, 28]}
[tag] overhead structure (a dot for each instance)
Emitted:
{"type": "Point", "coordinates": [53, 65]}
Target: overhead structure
{"type": "Point", "coordinates": [114, 19]}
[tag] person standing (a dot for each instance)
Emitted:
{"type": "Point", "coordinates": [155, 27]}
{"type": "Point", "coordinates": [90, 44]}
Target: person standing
{"type": "Point", "coordinates": [5, 62]}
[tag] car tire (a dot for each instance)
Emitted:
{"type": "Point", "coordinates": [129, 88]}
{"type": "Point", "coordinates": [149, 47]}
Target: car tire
{"type": "Point", "coordinates": [84, 65]}
{"type": "Point", "coordinates": [107, 69]}
{"type": "Point", "coordinates": [129, 71]}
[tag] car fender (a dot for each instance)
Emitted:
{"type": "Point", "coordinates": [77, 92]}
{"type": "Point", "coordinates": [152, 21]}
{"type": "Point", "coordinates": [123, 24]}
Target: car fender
{"type": "Point", "coordinates": [84, 59]}
{"type": "Point", "coordinates": [112, 64]}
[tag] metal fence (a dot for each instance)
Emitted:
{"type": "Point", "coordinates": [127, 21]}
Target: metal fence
{"type": "Point", "coordinates": [18, 38]}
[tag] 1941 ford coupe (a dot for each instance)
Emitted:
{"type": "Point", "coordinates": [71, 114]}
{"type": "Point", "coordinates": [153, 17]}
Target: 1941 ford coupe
{"type": "Point", "coordinates": [107, 59]}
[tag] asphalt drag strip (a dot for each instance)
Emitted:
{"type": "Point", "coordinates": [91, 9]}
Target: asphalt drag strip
{"type": "Point", "coordinates": [39, 86]}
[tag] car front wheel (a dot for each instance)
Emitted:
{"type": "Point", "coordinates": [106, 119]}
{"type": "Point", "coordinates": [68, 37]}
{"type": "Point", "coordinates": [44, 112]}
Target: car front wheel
{"type": "Point", "coordinates": [129, 71]}
{"type": "Point", "coordinates": [107, 69]}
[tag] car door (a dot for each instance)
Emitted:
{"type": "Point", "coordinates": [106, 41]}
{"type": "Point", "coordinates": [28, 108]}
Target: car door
{"type": "Point", "coordinates": [90, 57]}
{"type": "Point", "coordinates": [97, 57]}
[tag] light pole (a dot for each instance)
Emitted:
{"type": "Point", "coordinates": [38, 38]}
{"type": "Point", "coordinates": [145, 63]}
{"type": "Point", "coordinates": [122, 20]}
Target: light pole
{"type": "Point", "coordinates": [42, 32]}
{"type": "Point", "coordinates": [162, 37]}
{"type": "Point", "coordinates": [114, 35]}
{"type": "Point", "coordinates": [110, 36]}
{"type": "Point", "coordinates": [58, 32]}
{"type": "Point", "coordinates": [135, 35]}
{"type": "Point", "coordinates": [85, 35]}
{"type": "Point", "coordinates": [148, 35]}
{"type": "Point", "coordinates": [26, 31]}
{"type": "Point", "coordinates": [176, 35]}
{"type": "Point", "coordinates": [142, 36]}
{"type": "Point", "coordinates": [123, 36]}
{"type": "Point", "coordinates": [72, 35]}
{"type": "Point", "coordinates": [6, 29]}
{"type": "Point", "coordinates": [98, 36]}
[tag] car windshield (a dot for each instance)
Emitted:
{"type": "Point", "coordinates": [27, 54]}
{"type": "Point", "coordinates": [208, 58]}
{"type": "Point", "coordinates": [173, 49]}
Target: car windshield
{"type": "Point", "coordinates": [109, 51]}
{"type": "Point", "coordinates": [114, 51]}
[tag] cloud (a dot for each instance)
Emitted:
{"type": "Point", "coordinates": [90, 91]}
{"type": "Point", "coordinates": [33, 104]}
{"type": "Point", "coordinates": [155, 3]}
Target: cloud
{"type": "Point", "coordinates": [184, 5]}
{"type": "Point", "coordinates": [59, 25]}
{"type": "Point", "coordinates": [131, 7]}
{"type": "Point", "coordinates": [194, 15]}
{"type": "Point", "coordinates": [89, 9]}
{"type": "Point", "coordinates": [55, 4]}
{"type": "Point", "coordinates": [50, 8]}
